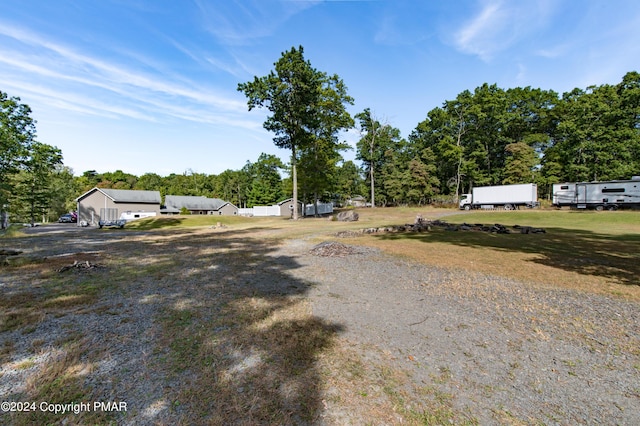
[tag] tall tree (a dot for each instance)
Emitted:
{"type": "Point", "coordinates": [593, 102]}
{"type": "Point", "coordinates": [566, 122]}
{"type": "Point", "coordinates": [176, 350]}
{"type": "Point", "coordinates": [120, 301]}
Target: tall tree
{"type": "Point", "coordinates": [64, 190]}
{"type": "Point", "coordinates": [444, 133]}
{"type": "Point", "coordinates": [520, 163]}
{"type": "Point", "coordinates": [349, 182]}
{"type": "Point", "coordinates": [17, 133]}
{"type": "Point", "coordinates": [319, 159]}
{"type": "Point", "coordinates": [150, 182]}
{"type": "Point", "coordinates": [598, 136]}
{"type": "Point", "coordinates": [266, 183]}
{"type": "Point", "coordinates": [35, 180]}
{"type": "Point", "coordinates": [118, 180]}
{"type": "Point", "coordinates": [422, 181]}
{"type": "Point", "coordinates": [376, 139]}
{"type": "Point", "coordinates": [290, 93]}
{"type": "Point", "coordinates": [233, 186]}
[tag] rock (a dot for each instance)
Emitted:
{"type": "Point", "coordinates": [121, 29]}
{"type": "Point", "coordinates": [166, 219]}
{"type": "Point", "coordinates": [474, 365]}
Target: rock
{"type": "Point", "coordinates": [347, 216]}
{"type": "Point", "coordinates": [5, 252]}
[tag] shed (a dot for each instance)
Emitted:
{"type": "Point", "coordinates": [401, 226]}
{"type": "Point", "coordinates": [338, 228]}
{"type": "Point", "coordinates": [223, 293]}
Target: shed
{"type": "Point", "coordinates": [98, 203]}
{"type": "Point", "coordinates": [286, 207]}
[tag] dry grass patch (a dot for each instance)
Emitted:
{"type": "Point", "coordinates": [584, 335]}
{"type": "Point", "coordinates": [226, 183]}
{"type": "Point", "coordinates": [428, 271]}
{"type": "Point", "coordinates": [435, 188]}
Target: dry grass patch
{"type": "Point", "coordinates": [29, 307]}
{"type": "Point", "coordinates": [362, 385]}
{"type": "Point", "coordinates": [267, 360]}
{"type": "Point", "coordinates": [255, 361]}
{"type": "Point", "coordinates": [579, 251]}
{"type": "Point", "coordinates": [20, 310]}
{"type": "Point", "coordinates": [60, 380]}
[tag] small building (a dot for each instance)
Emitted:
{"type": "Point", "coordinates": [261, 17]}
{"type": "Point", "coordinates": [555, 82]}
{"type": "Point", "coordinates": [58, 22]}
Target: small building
{"type": "Point", "coordinates": [173, 204]}
{"type": "Point", "coordinates": [357, 201]}
{"type": "Point", "coordinates": [104, 203]}
{"type": "Point", "coordinates": [286, 207]}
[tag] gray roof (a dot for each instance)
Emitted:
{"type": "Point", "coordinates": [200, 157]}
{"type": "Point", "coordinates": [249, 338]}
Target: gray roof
{"type": "Point", "coordinates": [128, 195]}
{"type": "Point", "coordinates": [288, 200]}
{"type": "Point", "coordinates": [193, 203]}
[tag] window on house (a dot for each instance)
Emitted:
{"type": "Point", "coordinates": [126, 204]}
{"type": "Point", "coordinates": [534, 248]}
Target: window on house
{"type": "Point", "coordinates": [605, 190]}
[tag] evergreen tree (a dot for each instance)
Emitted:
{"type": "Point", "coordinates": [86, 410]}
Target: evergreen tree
{"type": "Point", "coordinates": [266, 183]}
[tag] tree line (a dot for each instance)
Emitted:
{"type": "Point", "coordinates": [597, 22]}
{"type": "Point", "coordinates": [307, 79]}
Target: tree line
{"type": "Point", "coordinates": [487, 136]}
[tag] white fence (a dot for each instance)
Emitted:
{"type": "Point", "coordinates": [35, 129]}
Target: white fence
{"type": "Point", "coordinates": [260, 211]}
{"type": "Point", "coordinates": [309, 210]}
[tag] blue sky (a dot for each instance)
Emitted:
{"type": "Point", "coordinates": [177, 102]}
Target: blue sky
{"type": "Point", "coordinates": [150, 85]}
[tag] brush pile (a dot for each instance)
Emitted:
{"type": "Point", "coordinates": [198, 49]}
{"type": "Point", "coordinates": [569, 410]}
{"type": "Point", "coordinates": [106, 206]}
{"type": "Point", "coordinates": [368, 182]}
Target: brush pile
{"type": "Point", "coordinates": [86, 265]}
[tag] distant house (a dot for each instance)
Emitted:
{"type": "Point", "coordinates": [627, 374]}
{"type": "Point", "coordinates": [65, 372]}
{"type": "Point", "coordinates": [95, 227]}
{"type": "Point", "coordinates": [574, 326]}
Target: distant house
{"type": "Point", "coordinates": [173, 204]}
{"type": "Point", "coordinates": [103, 204]}
{"type": "Point", "coordinates": [357, 201]}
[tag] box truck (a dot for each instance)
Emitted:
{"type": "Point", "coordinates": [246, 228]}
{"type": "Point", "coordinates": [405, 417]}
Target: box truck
{"type": "Point", "coordinates": [508, 197]}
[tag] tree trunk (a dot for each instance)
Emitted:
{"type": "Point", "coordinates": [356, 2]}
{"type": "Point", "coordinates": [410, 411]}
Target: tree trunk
{"type": "Point", "coordinates": [373, 201]}
{"type": "Point", "coordinates": [294, 174]}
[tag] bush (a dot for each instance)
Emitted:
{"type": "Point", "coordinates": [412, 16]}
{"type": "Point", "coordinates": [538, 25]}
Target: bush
{"type": "Point", "coordinates": [443, 201]}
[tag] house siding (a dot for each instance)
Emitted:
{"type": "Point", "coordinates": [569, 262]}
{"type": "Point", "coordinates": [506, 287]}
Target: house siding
{"type": "Point", "coordinates": [90, 204]}
{"type": "Point", "coordinates": [228, 210]}
{"type": "Point", "coordinates": [286, 210]}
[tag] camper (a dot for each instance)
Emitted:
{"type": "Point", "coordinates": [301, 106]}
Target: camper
{"type": "Point", "coordinates": [608, 195]}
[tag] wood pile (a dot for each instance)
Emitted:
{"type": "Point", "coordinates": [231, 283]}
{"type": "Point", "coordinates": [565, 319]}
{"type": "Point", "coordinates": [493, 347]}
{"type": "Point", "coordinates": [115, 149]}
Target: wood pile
{"type": "Point", "coordinates": [86, 265]}
{"type": "Point", "coordinates": [4, 254]}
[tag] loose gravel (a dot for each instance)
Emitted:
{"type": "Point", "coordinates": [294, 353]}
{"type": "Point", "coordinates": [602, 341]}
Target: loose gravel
{"type": "Point", "coordinates": [512, 352]}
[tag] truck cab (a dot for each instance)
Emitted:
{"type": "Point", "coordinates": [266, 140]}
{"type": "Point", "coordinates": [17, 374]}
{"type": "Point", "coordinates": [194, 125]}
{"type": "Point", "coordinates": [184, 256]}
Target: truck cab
{"type": "Point", "coordinates": [465, 202]}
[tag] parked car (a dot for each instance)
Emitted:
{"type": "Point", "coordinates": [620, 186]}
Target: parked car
{"type": "Point", "coordinates": [68, 218]}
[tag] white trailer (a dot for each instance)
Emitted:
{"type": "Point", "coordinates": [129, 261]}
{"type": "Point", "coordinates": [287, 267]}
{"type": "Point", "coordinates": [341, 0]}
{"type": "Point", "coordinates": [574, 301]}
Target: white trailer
{"type": "Point", "coordinates": [609, 195]}
{"type": "Point", "coordinates": [109, 217]}
{"type": "Point", "coordinates": [508, 197]}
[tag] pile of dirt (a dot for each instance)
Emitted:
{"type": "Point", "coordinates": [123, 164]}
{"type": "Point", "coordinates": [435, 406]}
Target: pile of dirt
{"type": "Point", "coordinates": [333, 249]}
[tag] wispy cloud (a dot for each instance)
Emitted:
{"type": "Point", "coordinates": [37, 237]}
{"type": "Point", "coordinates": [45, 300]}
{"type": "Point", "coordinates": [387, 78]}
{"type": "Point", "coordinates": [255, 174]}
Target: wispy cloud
{"type": "Point", "coordinates": [47, 61]}
{"type": "Point", "coordinates": [239, 22]}
{"type": "Point", "coordinates": [498, 25]}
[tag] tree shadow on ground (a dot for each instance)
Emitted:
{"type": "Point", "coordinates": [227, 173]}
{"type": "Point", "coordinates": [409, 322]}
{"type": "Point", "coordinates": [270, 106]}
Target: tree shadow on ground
{"type": "Point", "coordinates": [237, 341]}
{"type": "Point", "coordinates": [240, 341]}
{"type": "Point", "coordinates": [615, 257]}
{"type": "Point", "coordinates": [233, 340]}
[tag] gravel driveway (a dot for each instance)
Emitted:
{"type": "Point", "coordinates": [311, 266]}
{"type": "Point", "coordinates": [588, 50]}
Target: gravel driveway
{"type": "Point", "coordinates": [507, 352]}
{"type": "Point", "coordinates": [510, 352]}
